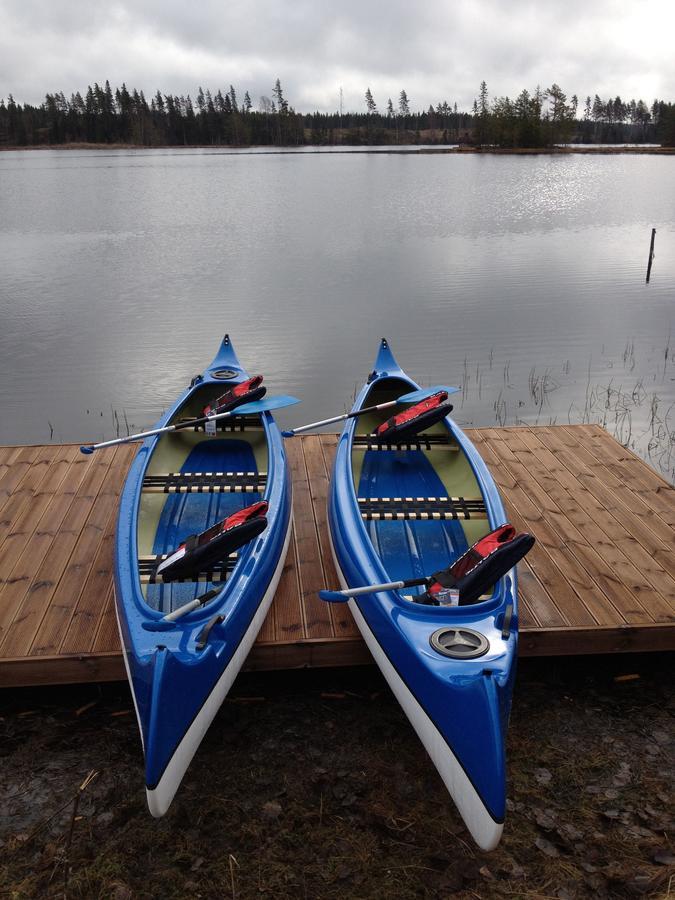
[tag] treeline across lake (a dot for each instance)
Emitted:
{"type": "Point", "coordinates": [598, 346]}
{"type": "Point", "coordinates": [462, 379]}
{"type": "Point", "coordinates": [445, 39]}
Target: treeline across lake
{"type": "Point", "coordinates": [537, 119]}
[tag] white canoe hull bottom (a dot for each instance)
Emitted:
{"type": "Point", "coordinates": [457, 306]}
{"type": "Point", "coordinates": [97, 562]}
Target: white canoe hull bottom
{"type": "Point", "coordinates": [159, 798]}
{"type": "Point", "coordinates": [483, 828]}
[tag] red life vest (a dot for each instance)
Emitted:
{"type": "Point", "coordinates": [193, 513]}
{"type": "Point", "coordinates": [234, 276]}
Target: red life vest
{"type": "Point", "coordinates": [481, 567]}
{"type": "Point", "coordinates": [201, 551]}
{"type": "Point", "coordinates": [246, 392]}
{"type": "Point", "coordinates": [415, 419]}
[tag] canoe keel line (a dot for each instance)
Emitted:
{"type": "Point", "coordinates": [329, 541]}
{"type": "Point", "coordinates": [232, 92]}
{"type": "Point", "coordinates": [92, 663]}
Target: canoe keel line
{"type": "Point", "coordinates": [447, 648]}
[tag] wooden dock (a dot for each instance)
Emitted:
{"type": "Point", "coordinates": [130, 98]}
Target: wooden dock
{"type": "Point", "coordinates": [600, 579]}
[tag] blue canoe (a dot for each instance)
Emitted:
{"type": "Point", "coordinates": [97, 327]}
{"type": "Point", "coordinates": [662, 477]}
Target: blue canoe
{"type": "Point", "coordinates": [404, 513]}
{"type": "Point", "coordinates": [180, 484]}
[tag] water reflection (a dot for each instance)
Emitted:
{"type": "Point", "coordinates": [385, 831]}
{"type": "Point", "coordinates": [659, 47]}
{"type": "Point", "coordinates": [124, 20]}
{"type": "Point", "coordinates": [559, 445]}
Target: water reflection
{"type": "Point", "coordinates": [121, 271]}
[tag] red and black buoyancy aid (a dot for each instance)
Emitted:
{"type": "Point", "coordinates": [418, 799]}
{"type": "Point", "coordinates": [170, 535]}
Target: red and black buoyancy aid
{"type": "Point", "coordinates": [201, 551]}
{"type": "Point", "coordinates": [246, 392]}
{"type": "Point", "coordinates": [483, 564]}
{"type": "Point", "coordinates": [415, 419]}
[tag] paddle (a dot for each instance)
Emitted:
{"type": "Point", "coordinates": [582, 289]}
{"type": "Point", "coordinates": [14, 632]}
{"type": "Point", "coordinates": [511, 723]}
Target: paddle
{"type": "Point", "coordinates": [474, 573]}
{"type": "Point", "coordinates": [344, 596]}
{"type": "Point", "coordinates": [257, 406]}
{"type": "Point", "coordinates": [412, 397]}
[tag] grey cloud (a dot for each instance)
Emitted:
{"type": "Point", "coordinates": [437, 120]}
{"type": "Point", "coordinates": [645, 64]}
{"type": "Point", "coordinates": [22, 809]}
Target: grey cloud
{"type": "Point", "coordinates": [434, 49]}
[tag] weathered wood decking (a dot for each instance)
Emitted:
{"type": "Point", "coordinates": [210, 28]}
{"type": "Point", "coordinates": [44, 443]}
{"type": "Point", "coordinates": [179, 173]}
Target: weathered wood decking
{"type": "Point", "coordinates": [601, 577]}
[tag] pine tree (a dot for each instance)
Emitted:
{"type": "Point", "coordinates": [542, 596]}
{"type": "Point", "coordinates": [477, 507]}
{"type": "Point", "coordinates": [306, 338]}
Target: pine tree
{"type": "Point", "coordinates": [370, 103]}
{"type": "Point", "coordinates": [403, 106]}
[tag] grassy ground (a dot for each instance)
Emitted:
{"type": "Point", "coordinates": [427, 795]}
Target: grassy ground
{"type": "Point", "coordinates": [313, 785]}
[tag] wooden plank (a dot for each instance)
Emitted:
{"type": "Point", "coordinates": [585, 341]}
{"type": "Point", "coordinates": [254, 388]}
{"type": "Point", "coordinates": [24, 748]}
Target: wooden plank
{"type": "Point", "coordinates": [288, 620]}
{"type": "Point", "coordinates": [528, 588]}
{"type": "Point", "coordinates": [71, 587]}
{"type": "Point", "coordinates": [591, 608]}
{"type": "Point", "coordinates": [28, 541]}
{"type": "Point", "coordinates": [67, 527]}
{"type": "Point", "coordinates": [586, 460]}
{"type": "Point", "coordinates": [616, 489]}
{"type": "Point", "coordinates": [637, 476]}
{"type": "Point", "coordinates": [109, 665]}
{"type": "Point", "coordinates": [24, 490]}
{"type": "Point", "coordinates": [324, 652]}
{"type": "Point", "coordinates": [605, 607]}
{"type": "Point", "coordinates": [585, 641]}
{"type": "Point", "coordinates": [316, 616]}
{"type": "Point", "coordinates": [268, 630]}
{"type": "Point", "coordinates": [80, 634]}
{"type": "Point", "coordinates": [561, 486]}
{"type": "Point", "coordinates": [7, 454]}
{"type": "Point", "coordinates": [587, 499]}
{"type": "Point", "coordinates": [107, 637]}
{"type": "Point", "coordinates": [564, 606]}
{"type": "Point", "coordinates": [343, 620]}
{"type": "Point", "coordinates": [30, 671]}
{"type": "Point", "coordinates": [318, 473]}
{"type": "Point", "coordinates": [17, 461]}
{"type": "Point", "coordinates": [653, 589]}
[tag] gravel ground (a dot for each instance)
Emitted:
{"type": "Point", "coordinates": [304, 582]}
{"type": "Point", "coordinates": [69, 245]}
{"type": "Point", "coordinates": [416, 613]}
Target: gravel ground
{"type": "Point", "coordinates": [313, 785]}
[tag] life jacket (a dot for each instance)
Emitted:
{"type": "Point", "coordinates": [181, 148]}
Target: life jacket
{"type": "Point", "coordinates": [201, 551]}
{"type": "Point", "coordinates": [246, 392]}
{"type": "Point", "coordinates": [413, 420]}
{"type": "Point", "coordinates": [481, 567]}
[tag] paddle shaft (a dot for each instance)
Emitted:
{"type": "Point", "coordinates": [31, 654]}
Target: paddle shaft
{"type": "Point", "coordinates": [146, 434]}
{"type": "Point", "coordinates": [342, 418]}
{"type": "Point", "coordinates": [189, 607]}
{"type": "Point", "coordinates": [371, 589]}
{"type": "Point", "coordinates": [255, 406]}
{"type": "Point", "coordinates": [412, 397]}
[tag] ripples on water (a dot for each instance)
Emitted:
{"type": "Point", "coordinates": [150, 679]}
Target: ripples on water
{"type": "Point", "coordinates": [120, 271]}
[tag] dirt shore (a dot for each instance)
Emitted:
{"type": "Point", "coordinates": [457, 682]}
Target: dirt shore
{"type": "Point", "coordinates": [313, 785]}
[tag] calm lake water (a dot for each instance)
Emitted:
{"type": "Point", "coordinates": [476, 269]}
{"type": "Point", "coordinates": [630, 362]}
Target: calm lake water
{"type": "Point", "coordinates": [521, 278]}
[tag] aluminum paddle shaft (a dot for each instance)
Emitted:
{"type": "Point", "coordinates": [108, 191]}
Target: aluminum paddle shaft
{"type": "Point", "coordinates": [342, 418]}
{"type": "Point", "coordinates": [257, 406]}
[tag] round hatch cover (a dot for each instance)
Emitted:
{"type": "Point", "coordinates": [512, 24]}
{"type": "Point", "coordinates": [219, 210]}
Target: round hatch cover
{"type": "Point", "coordinates": [459, 643]}
{"type": "Point", "coordinates": [223, 374]}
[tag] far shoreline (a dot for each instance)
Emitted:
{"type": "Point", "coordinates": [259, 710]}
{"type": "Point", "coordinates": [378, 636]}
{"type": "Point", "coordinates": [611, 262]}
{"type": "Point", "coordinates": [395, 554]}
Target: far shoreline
{"type": "Point", "coordinates": [608, 149]}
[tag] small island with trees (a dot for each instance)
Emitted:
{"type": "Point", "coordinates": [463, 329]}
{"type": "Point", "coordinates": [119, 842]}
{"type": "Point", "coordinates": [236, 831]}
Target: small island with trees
{"type": "Point", "coordinates": [543, 119]}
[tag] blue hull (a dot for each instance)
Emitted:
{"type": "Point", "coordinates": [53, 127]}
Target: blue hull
{"type": "Point", "coordinates": [178, 688]}
{"type": "Point", "coordinates": [459, 708]}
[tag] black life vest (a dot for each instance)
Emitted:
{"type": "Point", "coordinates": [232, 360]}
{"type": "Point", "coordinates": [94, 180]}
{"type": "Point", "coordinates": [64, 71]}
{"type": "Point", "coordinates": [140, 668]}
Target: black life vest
{"type": "Point", "coordinates": [414, 419]}
{"type": "Point", "coordinates": [481, 567]}
{"type": "Point", "coordinates": [246, 392]}
{"type": "Point", "coordinates": [201, 551]}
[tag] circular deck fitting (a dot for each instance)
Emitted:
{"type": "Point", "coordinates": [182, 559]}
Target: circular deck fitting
{"type": "Point", "coordinates": [459, 643]}
{"type": "Point", "coordinates": [223, 374]}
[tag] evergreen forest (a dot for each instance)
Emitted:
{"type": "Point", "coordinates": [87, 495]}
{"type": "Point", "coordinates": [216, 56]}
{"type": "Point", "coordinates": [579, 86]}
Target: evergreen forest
{"type": "Point", "coordinates": [537, 119]}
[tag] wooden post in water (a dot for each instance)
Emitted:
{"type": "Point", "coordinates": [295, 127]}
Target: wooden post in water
{"type": "Point", "coordinates": [651, 255]}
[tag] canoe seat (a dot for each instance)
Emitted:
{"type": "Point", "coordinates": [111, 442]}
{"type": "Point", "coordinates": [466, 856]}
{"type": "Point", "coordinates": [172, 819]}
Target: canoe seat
{"type": "Point", "coordinates": [421, 508]}
{"type": "Point", "coordinates": [217, 574]}
{"type": "Point", "coordinates": [419, 442]}
{"type": "Point", "coordinates": [205, 483]}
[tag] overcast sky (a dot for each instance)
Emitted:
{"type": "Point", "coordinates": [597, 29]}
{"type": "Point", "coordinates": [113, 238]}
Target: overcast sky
{"type": "Point", "coordinates": [434, 49]}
